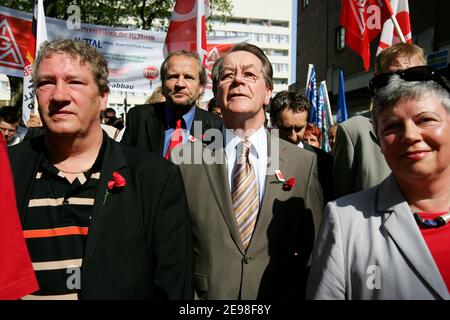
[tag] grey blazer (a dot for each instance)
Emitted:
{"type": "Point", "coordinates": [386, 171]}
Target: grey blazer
{"type": "Point", "coordinates": [370, 247]}
{"type": "Point", "coordinates": [276, 262]}
{"type": "Point", "coordinates": [358, 161]}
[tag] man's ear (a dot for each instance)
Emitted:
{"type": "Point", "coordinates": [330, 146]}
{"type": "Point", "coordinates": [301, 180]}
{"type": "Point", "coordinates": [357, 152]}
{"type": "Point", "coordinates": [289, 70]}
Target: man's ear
{"type": "Point", "coordinates": [268, 97]}
{"type": "Point", "coordinates": [104, 101]}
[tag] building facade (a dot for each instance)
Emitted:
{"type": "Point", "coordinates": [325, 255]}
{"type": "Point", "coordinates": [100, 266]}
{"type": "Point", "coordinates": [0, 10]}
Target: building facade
{"type": "Point", "coordinates": [321, 41]}
{"type": "Point", "coordinates": [266, 24]}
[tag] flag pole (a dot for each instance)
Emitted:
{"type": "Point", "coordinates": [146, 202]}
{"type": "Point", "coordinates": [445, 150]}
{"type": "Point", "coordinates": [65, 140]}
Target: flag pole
{"type": "Point", "coordinates": [308, 76]}
{"type": "Point", "coordinates": [199, 35]}
{"type": "Point", "coordinates": [330, 115]}
{"type": "Point", "coordinates": [200, 12]}
{"type": "Point", "coordinates": [394, 21]}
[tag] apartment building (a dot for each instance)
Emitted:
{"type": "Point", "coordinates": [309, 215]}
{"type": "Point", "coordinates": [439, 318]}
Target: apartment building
{"type": "Point", "coordinates": [267, 24]}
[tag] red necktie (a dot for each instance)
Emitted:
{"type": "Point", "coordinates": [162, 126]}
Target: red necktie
{"type": "Point", "coordinates": [177, 137]}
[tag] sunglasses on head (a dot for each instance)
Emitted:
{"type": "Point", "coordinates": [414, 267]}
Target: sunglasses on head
{"type": "Point", "coordinates": [419, 73]}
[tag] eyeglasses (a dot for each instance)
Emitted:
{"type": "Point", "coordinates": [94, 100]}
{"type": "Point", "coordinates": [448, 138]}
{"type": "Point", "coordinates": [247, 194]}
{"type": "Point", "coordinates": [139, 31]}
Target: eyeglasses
{"type": "Point", "coordinates": [248, 75]}
{"type": "Point", "coordinates": [8, 130]}
{"type": "Point", "coordinates": [419, 73]}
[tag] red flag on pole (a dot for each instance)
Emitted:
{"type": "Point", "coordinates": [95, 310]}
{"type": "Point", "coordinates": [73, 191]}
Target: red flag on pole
{"type": "Point", "coordinates": [17, 277]}
{"type": "Point", "coordinates": [362, 20]}
{"type": "Point", "coordinates": [188, 17]}
{"type": "Point", "coordinates": [37, 35]}
{"type": "Point", "coordinates": [389, 35]}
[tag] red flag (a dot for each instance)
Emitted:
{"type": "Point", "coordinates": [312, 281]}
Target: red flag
{"type": "Point", "coordinates": [388, 35]}
{"type": "Point", "coordinates": [17, 277]}
{"type": "Point", "coordinates": [362, 20]}
{"type": "Point", "coordinates": [188, 17]}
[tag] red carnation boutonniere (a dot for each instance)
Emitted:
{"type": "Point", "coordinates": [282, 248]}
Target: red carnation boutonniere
{"type": "Point", "coordinates": [117, 183]}
{"type": "Point", "coordinates": [287, 184]}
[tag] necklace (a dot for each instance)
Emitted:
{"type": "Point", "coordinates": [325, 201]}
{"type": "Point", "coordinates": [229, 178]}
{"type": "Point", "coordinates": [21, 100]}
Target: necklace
{"type": "Point", "coordinates": [437, 222]}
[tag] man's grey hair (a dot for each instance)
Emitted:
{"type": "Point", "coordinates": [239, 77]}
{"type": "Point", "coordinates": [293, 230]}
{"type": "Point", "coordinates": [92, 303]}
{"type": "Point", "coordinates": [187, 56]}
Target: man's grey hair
{"type": "Point", "coordinates": [87, 54]}
{"type": "Point", "coordinates": [398, 89]}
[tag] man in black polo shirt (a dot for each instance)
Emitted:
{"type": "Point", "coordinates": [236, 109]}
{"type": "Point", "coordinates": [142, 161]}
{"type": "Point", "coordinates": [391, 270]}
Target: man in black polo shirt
{"type": "Point", "coordinates": [101, 220]}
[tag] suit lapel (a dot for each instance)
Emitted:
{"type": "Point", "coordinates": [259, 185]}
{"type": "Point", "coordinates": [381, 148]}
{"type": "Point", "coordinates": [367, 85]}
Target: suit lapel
{"type": "Point", "coordinates": [198, 116]}
{"type": "Point", "coordinates": [403, 229]}
{"type": "Point", "coordinates": [218, 179]}
{"type": "Point", "coordinates": [154, 126]}
{"type": "Point", "coordinates": [113, 160]}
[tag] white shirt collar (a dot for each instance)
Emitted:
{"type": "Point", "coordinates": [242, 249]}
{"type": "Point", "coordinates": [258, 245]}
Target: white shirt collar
{"type": "Point", "coordinates": [258, 140]}
{"type": "Point", "coordinates": [258, 154]}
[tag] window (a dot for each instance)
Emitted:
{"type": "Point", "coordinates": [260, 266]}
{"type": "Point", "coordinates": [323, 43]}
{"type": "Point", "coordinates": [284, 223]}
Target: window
{"type": "Point", "coordinates": [340, 38]}
{"type": "Point", "coordinates": [284, 38]}
{"type": "Point", "coordinates": [280, 67]}
{"type": "Point", "coordinates": [280, 24]}
{"type": "Point", "coordinates": [257, 22]}
{"type": "Point", "coordinates": [280, 81]}
{"type": "Point", "coordinates": [276, 52]}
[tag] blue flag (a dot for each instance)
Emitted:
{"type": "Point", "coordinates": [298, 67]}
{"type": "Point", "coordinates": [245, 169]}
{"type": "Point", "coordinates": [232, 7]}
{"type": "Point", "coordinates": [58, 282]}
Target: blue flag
{"type": "Point", "coordinates": [320, 107]}
{"type": "Point", "coordinates": [342, 103]}
{"type": "Point", "coordinates": [323, 120]}
{"type": "Point", "coordinates": [311, 96]}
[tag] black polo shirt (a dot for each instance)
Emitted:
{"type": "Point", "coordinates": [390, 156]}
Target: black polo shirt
{"type": "Point", "coordinates": [56, 226]}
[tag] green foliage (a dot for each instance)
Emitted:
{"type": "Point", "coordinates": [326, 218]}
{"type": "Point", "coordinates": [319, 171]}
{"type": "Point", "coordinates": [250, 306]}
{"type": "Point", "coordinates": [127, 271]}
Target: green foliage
{"type": "Point", "coordinates": [139, 13]}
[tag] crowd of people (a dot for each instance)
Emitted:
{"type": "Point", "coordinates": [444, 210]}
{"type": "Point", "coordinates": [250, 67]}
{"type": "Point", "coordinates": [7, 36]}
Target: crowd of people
{"type": "Point", "coordinates": [228, 203]}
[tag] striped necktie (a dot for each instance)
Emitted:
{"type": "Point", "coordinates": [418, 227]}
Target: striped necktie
{"type": "Point", "coordinates": [245, 194]}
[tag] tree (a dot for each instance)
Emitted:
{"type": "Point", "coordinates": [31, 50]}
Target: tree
{"type": "Point", "coordinates": [140, 13]}
{"type": "Point", "coordinates": [143, 14]}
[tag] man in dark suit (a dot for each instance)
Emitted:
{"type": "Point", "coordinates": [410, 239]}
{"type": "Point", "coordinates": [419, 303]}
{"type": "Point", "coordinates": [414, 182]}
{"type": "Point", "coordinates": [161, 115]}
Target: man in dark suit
{"type": "Point", "coordinates": [154, 127]}
{"type": "Point", "coordinates": [289, 112]}
{"type": "Point", "coordinates": [95, 226]}
{"type": "Point", "coordinates": [254, 208]}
